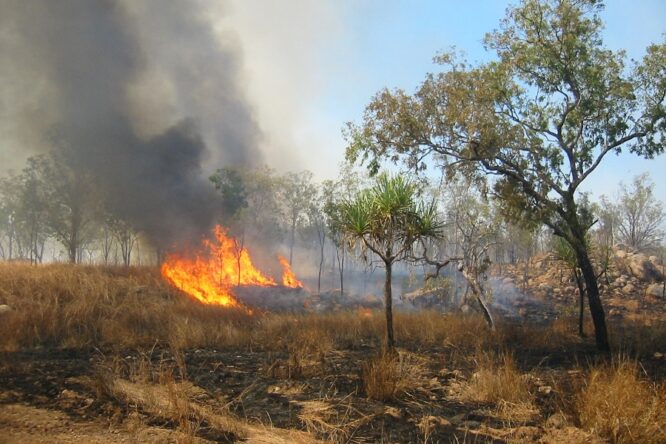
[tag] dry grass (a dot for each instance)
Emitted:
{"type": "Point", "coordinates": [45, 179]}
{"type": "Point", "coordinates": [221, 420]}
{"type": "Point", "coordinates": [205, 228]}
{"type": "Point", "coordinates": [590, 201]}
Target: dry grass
{"type": "Point", "coordinates": [336, 422]}
{"type": "Point", "coordinates": [389, 375]}
{"type": "Point", "coordinates": [61, 305]}
{"type": "Point", "coordinates": [619, 405]}
{"type": "Point", "coordinates": [159, 388]}
{"type": "Point", "coordinates": [80, 306]}
{"type": "Point", "coordinates": [497, 380]}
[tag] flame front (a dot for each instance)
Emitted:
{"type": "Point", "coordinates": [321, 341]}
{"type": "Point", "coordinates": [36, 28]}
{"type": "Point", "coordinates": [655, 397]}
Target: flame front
{"type": "Point", "coordinates": [211, 277]}
{"type": "Point", "coordinates": [288, 277]}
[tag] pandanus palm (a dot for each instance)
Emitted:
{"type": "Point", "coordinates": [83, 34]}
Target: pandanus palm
{"type": "Point", "coordinates": [388, 220]}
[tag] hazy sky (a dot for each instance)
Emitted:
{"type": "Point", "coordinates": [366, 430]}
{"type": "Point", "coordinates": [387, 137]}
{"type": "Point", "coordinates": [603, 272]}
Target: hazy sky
{"type": "Point", "coordinates": [285, 74]}
{"type": "Point", "coordinates": [310, 66]}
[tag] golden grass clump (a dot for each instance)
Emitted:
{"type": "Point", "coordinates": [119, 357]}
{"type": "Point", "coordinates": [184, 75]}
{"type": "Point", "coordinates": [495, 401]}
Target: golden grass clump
{"type": "Point", "coordinates": [618, 405]}
{"type": "Point", "coordinates": [390, 374]}
{"type": "Point", "coordinates": [497, 380]}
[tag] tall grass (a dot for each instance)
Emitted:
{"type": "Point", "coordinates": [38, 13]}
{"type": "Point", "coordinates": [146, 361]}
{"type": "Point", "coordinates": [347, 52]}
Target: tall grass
{"type": "Point", "coordinates": [62, 305]}
{"type": "Point", "coordinates": [619, 405]}
{"type": "Point", "coordinates": [389, 375]}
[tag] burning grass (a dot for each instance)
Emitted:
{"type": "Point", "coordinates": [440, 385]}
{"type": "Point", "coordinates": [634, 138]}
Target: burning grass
{"type": "Point", "coordinates": [223, 263]}
{"type": "Point", "coordinates": [77, 306]}
{"type": "Point", "coordinates": [321, 364]}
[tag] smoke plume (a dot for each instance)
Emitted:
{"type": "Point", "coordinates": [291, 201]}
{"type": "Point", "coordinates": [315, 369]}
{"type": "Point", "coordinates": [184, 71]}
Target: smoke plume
{"type": "Point", "coordinates": [143, 93]}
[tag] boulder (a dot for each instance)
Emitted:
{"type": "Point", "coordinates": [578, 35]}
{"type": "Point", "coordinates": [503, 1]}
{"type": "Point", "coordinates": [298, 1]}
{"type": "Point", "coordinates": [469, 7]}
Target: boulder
{"type": "Point", "coordinates": [643, 269]}
{"type": "Point", "coordinates": [628, 289]}
{"type": "Point", "coordinates": [5, 309]}
{"type": "Point", "coordinates": [656, 290]}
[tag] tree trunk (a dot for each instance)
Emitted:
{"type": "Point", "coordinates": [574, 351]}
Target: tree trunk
{"type": "Point", "coordinates": [476, 288]}
{"type": "Point", "coordinates": [340, 255]}
{"type": "Point", "coordinates": [581, 313]}
{"type": "Point", "coordinates": [321, 265]}
{"type": "Point", "coordinates": [593, 298]}
{"type": "Point", "coordinates": [72, 252]}
{"type": "Point", "coordinates": [292, 240]}
{"type": "Point", "coordinates": [388, 305]}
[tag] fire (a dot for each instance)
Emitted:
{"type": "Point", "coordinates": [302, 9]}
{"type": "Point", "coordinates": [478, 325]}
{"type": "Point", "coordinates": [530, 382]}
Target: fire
{"type": "Point", "coordinates": [288, 277]}
{"type": "Point", "coordinates": [210, 277]}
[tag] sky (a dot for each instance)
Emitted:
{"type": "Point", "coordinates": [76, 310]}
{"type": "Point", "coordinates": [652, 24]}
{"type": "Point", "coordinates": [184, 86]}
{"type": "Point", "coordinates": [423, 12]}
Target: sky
{"type": "Point", "coordinates": [271, 82]}
{"type": "Point", "coordinates": [311, 66]}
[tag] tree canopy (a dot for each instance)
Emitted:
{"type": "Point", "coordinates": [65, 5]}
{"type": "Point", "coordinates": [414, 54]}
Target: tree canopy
{"type": "Point", "coordinates": [388, 220]}
{"type": "Point", "coordinates": [539, 119]}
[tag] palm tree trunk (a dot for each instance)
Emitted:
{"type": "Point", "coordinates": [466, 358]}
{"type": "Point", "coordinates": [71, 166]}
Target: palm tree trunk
{"type": "Point", "coordinates": [388, 305]}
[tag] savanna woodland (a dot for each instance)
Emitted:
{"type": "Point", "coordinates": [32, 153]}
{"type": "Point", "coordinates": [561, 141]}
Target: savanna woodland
{"type": "Point", "coordinates": [460, 279]}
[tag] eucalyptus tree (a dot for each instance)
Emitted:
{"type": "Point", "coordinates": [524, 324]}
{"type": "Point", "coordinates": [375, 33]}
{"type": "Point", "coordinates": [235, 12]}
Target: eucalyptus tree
{"type": "Point", "coordinates": [540, 119]}
{"type": "Point", "coordinates": [318, 222]}
{"type": "Point", "coordinates": [640, 215]}
{"type": "Point", "coordinates": [297, 192]}
{"type": "Point", "coordinates": [70, 197]}
{"type": "Point", "coordinates": [388, 220]}
{"type": "Point", "coordinates": [25, 204]}
{"type": "Point", "coordinates": [230, 183]}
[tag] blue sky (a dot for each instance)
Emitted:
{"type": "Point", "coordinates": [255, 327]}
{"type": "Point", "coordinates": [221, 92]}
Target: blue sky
{"type": "Point", "coordinates": [319, 63]}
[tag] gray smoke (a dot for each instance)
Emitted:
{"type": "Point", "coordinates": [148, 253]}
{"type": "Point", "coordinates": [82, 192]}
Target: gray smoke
{"type": "Point", "coordinates": [141, 92]}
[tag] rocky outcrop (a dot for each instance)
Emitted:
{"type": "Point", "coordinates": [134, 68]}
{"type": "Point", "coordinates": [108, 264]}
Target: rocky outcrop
{"type": "Point", "coordinates": [656, 291]}
{"type": "Point", "coordinates": [639, 265]}
{"type": "Point", "coordinates": [631, 287]}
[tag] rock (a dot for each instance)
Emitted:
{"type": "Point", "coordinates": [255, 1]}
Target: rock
{"type": "Point", "coordinates": [628, 289]}
{"type": "Point", "coordinates": [641, 268]}
{"type": "Point", "coordinates": [556, 421]}
{"type": "Point", "coordinates": [658, 356]}
{"type": "Point", "coordinates": [656, 290]}
{"type": "Point", "coordinates": [545, 390]}
{"type": "Point", "coordinates": [5, 309]}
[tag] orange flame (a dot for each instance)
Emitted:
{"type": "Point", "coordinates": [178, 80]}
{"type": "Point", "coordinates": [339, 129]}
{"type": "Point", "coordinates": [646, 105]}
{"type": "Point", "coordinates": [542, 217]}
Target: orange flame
{"type": "Point", "coordinates": [227, 264]}
{"type": "Point", "coordinates": [288, 277]}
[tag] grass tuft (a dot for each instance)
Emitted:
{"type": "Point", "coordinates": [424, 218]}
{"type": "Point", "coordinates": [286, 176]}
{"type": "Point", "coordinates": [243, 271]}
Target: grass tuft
{"type": "Point", "coordinates": [617, 404]}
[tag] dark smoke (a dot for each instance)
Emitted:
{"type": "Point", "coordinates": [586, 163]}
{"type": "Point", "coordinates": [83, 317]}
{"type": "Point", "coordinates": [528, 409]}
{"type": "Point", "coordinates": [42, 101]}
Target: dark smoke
{"type": "Point", "coordinates": [141, 92]}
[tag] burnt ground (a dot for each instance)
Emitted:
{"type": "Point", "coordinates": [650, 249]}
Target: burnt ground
{"type": "Point", "coordinates": [59, 396]}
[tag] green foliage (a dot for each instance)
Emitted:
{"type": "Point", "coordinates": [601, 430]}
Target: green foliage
{"type": "Point", "coordinates": [540, 119]}
{"type": "Point", "coordinates": [388, 219]}
{"type": "Point", "coordinates": [230, 183]}
{"type": "Point", "coordinates": [640, 215]}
